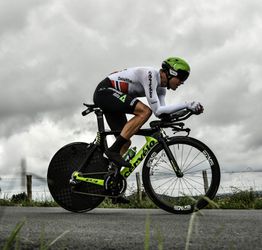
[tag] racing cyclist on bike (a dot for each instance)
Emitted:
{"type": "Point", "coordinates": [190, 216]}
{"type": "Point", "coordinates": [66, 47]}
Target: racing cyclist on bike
{"type": "Point", "coordinates": [117, 96]}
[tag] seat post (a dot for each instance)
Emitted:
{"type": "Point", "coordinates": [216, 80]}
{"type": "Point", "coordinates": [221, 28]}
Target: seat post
{"type": "Point", "coordinates": [100, 120]}
{"type": "Point", "coordinates": [101, 129]}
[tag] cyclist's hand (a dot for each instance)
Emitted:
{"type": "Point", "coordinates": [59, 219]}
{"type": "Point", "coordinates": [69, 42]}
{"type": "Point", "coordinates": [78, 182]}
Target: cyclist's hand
{"type": "Point", "coordinates": [195, 107]}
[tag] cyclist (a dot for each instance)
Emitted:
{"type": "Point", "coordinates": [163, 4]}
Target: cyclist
{"type": "Point", "coordinates": [117, 96]}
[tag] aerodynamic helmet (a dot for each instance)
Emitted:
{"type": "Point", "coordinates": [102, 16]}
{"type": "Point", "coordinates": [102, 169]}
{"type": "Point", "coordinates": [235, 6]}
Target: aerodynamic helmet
{"type": "Point", "coordinates": [175, 66]}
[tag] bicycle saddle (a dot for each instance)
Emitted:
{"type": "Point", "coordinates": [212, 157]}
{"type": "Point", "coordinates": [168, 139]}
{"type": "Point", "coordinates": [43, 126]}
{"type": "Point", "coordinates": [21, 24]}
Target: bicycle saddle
{"type": "Point", "coordinates": [90, 105]}
{"type": "Point", "coordinates": [90, 108]}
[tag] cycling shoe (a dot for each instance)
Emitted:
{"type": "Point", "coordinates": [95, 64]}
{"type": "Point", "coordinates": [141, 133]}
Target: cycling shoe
{"type": "Point", "coordinates": [117, 159]}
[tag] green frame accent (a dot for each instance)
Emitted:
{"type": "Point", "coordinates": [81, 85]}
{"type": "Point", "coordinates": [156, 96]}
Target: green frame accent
{"type": "Point", "coordinates": [140, 155]}
{"type": "Point", "coordinates": [88, 179]}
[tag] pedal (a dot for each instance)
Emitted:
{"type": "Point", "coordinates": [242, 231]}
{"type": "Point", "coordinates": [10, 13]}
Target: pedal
{"type": "Point", "coordinates": [112, 167]}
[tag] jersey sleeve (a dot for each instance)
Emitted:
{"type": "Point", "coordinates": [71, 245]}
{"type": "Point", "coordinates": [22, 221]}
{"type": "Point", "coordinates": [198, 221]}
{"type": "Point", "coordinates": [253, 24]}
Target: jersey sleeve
{"type": "Point", "coordinates": [156, 100]}
{"type": "Point", "coordinates": [161, 95]}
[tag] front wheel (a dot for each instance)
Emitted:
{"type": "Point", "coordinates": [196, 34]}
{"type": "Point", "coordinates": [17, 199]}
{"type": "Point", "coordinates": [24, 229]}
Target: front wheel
{"type": "Point", "coordinates": [186, 194]}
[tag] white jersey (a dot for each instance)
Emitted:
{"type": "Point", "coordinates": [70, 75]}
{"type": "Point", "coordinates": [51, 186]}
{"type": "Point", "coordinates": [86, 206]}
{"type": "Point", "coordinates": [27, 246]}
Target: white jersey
{"type": "Point", "coordinates": [144, 82]}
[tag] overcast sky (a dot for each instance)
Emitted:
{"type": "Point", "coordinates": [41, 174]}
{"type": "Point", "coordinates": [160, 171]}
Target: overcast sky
{"type": "Point", "coordinates": [54, 53]}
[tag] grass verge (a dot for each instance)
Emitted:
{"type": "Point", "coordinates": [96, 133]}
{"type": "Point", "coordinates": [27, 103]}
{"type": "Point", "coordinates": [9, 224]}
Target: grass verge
{"type": "Point", "coordinates": [238, 199]}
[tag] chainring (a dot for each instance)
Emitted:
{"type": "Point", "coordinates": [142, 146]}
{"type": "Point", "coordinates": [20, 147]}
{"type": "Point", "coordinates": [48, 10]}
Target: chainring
{"type": "Point", "coordinates": [115, 185]}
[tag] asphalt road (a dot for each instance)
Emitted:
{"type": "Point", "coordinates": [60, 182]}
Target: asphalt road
{"type": "Point", "coordinates": [133, 229]}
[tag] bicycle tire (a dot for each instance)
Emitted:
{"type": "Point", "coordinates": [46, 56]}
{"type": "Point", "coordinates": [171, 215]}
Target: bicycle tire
{"type": "Point", "coordinates": [67, 160]}
{"type": "Point", "coordinates": [178, 195]}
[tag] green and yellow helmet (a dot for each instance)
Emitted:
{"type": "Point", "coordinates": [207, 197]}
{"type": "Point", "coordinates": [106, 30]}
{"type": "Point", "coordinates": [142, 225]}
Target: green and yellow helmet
{"type": "Point", "coordinates": [175, 66]}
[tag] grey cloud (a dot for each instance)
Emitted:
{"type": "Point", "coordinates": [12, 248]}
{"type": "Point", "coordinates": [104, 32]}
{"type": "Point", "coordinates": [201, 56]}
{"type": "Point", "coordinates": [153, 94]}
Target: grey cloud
{"type": "Point", "coordinates": [52, 56]}
{"type": "Point", "coordinates": [14, 14]}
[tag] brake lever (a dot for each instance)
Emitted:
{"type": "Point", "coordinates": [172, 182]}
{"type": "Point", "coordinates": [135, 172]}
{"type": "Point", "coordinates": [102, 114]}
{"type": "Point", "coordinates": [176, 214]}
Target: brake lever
{"type": "Point", "coordinates": [176, 130]}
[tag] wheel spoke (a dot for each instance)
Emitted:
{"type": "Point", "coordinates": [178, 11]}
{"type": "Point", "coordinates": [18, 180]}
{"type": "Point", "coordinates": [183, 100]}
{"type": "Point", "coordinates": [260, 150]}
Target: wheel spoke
{"type": "Point", "coordinates": [198, 170]}
{"type": "Point", "coordinates": [174, 187]}
{"type": "Point", "coordinates": [169, 186]}
{"type": "Point", "coordinates": [188, 187]}
{"type": "Point", "coordinates": [164, 183]}
{"type": "Point", "coordinates": [200, 183]}
{"type": "Point", "coordinates": [182, 153]}
{"type": "Point", "coordinates": [185, 171]}
{"type": "Point", "coordinates": [158, 178]}
{"type": "Point", "coordinates": [193, 187]}
{"type": "Point", "coordinates": [189, 152]}
{"type": "Point", "coordinates": [192, 160]}
{"type": "Point", "coordinates": [168, 169]}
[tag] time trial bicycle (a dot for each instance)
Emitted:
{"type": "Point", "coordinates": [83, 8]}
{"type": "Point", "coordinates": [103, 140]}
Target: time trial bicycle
{"type": "Point", "coordinates": [180, 174]}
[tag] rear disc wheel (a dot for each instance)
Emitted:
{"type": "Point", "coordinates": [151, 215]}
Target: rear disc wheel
{"type": "Point", "coordinates": [67, 160]}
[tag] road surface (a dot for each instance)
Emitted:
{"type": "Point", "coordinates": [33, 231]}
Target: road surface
{"type": "Point", "coordinates": [133, 229]}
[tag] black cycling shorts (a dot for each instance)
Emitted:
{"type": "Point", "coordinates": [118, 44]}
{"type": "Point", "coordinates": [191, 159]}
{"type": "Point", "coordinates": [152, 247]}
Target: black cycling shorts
{"type": "Point", "coordinates": [114, 103]}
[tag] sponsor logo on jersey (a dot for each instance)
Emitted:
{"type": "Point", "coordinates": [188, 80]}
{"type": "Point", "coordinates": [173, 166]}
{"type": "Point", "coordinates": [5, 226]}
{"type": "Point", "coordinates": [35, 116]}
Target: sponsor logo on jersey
{"type": "Point", "coordinates": [123, 98]}
{"type": "Point", "coordinates": [150, 84]}
{"type": "Point", "coordinates": [125, 79]}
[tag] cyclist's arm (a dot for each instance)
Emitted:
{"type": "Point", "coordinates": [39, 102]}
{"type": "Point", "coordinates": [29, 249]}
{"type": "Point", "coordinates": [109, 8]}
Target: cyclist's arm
{"type": "Point", "coordinates": [161, 96]}
{"type": "Point", "coordinates": [170, 109]}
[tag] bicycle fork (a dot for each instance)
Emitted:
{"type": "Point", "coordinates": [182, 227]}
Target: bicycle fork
{"type": "Point", "coordinates": [171, 157]}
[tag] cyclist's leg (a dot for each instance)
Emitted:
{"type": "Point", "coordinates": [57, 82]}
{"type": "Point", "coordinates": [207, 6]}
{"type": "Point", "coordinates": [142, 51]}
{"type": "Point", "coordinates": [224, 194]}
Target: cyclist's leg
{"type": "Point", "coordinates": [116, 121]}
{"type": "Point", "coordinates": [142, 113]}
{"type": "Point", "coordinates": [111, 100]}
{"type": "Point", "coordinates": [125, 147]}
{"type": "Point", "coordinates": [114, 102]}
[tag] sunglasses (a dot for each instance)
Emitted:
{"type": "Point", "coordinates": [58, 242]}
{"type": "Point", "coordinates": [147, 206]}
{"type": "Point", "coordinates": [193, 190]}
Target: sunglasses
{"type": "Point", "coordinates": [182, 75]}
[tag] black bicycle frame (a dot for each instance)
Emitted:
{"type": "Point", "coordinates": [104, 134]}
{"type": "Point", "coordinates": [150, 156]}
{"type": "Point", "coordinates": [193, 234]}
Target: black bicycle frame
{"type": "Point", "coordinates": [102, 142]}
